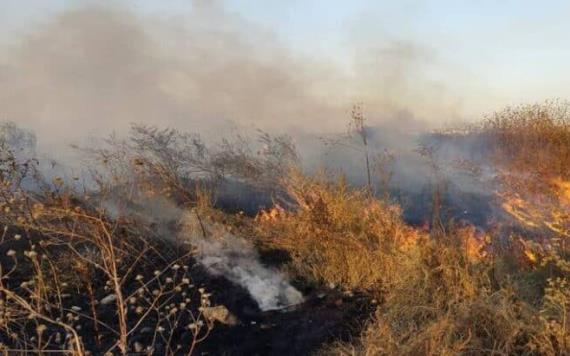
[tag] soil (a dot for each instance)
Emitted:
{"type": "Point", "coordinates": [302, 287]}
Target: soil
{"type": "Point", "coordinates": [327, 315]}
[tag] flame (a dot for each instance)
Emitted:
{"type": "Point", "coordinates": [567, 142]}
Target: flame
{"type": "Point", "coordinates": [552, 215]}
{"type": "Point", "coordinates": [520, 209]}
{"type": "Point", "coordinates": [528, 251]}
{"type": "Point", "coordinates": [530, 255]}
{"type": "Point", "coordinates": [273, 214]}
{"type": "Point", "coordinates": [562, 189]}
{"type": "Point", "coordinates": [476, 243]}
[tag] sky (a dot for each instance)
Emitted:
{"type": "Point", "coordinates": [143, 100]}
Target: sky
{"type": "Point", "coordinates": [517, 50]}
{"type": "Point", "coordinates": [440, 60]}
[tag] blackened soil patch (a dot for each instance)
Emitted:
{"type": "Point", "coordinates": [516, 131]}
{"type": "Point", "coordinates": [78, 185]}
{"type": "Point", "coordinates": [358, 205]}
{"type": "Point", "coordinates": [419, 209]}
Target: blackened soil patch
{"type": "Point", "coordinates": [324, 317]}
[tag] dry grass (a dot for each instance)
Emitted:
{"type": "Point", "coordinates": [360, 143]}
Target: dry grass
{"type": "Point", "coordinates": [83, 282]}
{"type": "Point", "coordinates": [460, 294]}
{"type": "Point", "coordinates": [464, 292]}
{"type": "Point", "coordinates": [92, 272]}
{"type": "Point", "coordinates": [75, 278]}
{"type": "Point", "coordinates": [439, 301]}
{"type": "Point", "coordinates": [338, 235]}
{"type": "Point", "coordinates": [531, 139]}
{"type": "Point", "coordinates": [491, 294]}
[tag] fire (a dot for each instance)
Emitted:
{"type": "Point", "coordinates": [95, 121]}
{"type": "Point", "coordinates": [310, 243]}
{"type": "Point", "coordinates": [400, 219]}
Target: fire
{"type": "Point", "coordinates": [530, 255]}
{"type": "Point", "coordinates": [520, 209]}
{"type": "Point", "coordinates": [476, 242]}
{"type": "Point", "coordinates": [541, 213]}
{"type": "Point", "coordinates": [528, 251]}
{"type": "Point", "coordinates": [272, 214]}
{"type": "Point", "coordinates": [562, 189]}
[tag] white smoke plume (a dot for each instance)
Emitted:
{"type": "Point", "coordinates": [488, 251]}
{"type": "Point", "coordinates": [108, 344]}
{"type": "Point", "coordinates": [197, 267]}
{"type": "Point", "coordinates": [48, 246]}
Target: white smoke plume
{"type": "Point", "coordinates": [236, 259]}
{"type": "Point", "coordinates": [220, 252]}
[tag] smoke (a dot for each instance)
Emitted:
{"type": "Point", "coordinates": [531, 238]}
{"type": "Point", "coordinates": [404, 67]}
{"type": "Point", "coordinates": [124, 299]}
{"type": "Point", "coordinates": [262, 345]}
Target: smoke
{"type": "Point", "coordinates": [236, 259]}
{"type": "Point", "coordinates": [220, 252]}
{"type": "Point", "coordinates": [92, 70]}
{"type": "Point", "coordinates": [17, 142]}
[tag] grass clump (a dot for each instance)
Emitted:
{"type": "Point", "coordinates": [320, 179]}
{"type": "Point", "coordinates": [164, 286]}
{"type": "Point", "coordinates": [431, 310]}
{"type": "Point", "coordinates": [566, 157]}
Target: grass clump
{"type": "Point", "coordinates": [460, 293]}
{"type": "Point", "coordinates": [338, 235]}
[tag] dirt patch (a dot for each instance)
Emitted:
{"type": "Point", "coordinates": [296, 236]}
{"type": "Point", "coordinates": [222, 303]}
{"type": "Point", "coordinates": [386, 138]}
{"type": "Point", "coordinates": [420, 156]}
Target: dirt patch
{"type": "Point", "coordinates": [325, 316]}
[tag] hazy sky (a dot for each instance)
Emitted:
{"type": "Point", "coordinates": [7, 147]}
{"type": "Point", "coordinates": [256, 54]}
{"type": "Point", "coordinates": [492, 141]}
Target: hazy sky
{"type": "Point", "coordinates": [451, 59]}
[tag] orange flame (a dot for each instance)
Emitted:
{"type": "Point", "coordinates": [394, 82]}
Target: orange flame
{"type": "Point", "coordinates": [273, 214]}
{"type": "Point", "coordinates": [549, 215]}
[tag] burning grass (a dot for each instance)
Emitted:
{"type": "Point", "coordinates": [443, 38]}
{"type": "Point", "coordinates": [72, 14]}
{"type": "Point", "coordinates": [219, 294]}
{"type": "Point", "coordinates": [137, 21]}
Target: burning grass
{"type": "Point", "coordinates": [338, 235]}
{"type": "Point", "coordinates": [459, 293]}
{"type": "Point", "coordinates": [502, 293]}
{"type": "Point", "coordinates": [110, 271]}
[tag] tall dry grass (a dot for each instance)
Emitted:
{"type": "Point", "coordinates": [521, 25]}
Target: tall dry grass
{"type": "Point", "coordinates": [338, 235]}
{"type": "Point", "coordinates": [531, 139]}
{"type": "Point", "coordinates": [513, 295]}
{"type": "Point", "coordinates": [86, 270]}
{"type": "Point", "coordinates": [466, 292]}
{"type": "Point", "coordinates": [73, 280]}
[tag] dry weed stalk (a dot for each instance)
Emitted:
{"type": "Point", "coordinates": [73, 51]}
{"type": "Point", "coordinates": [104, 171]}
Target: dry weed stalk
{"type": "Point", "coordinates": [64, 234]}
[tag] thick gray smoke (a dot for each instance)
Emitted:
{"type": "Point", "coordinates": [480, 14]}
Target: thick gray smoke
{"type": "Point", "coordinates": [94, 70]}
{"type": "Point", "coordinates": [236, 259]}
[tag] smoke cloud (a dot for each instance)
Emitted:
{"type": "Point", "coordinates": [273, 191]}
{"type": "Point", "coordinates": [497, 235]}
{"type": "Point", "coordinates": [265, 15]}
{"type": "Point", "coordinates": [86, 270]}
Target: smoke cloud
{"type": "Point", "coordinates": [89, 71]}
{"type": "Point", "coordinates": [93, 70]}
